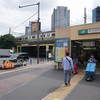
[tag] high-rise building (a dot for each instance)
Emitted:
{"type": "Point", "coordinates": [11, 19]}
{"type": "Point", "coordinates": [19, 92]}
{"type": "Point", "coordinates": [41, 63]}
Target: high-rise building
{"type": "Point", "coordinates": [60, 18]}
{"type": "Point", "coordinates": [26, 30]}
{"type": "Point", "coordinates": [96, 14]}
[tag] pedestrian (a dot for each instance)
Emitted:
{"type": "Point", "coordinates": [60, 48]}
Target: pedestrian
{"type": "Point", "coordinates": [91, 68]}
{"type": "Point", "coordinates": [82, 58]}
{"type": "Point", "coordinates": [75, 63]}
{"type": "Point", "coordinates": [92, 59]}
{"type": "Point", "coordinates": [68, 67]}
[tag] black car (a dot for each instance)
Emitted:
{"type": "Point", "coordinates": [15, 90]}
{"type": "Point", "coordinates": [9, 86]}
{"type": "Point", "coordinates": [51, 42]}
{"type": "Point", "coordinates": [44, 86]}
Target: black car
{"type": "Point", "coordinates": [19, 58]}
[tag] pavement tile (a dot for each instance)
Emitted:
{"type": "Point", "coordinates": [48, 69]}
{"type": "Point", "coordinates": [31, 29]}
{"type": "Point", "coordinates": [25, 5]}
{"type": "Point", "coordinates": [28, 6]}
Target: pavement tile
{"type": "Point", "coordinates": [63, 91]}
{"type": "Point", "coordinates": [9, 84]}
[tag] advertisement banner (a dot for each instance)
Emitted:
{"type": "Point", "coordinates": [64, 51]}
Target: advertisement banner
{"type": "Point", "coordinates": [61, 47]}
{"type": "Point", "coordinates": [34, 26]}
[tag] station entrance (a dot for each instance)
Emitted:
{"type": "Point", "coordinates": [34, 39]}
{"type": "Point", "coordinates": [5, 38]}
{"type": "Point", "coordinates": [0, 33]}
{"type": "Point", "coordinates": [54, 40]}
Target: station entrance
{"type": "Point", "coordinates": [84, 48]}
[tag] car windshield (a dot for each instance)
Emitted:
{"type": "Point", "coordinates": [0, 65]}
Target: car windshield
{"type": "Point", "coordinates": [14, 56]}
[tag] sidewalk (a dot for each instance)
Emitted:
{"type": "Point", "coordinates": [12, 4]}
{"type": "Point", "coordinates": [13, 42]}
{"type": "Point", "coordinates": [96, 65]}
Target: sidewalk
{"type": "Point", "coordinates": [86, 90]}
{"type": "Point", "coordinates": [51, 84]}
{"type": "Point", "coordinates": [63, 91]}
{"type": "Point", "coordinates": [79, 89]}
{"type": "Point", "coordinates": [33, 83]}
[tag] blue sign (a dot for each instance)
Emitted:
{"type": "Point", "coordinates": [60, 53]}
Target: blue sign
{"type": "Point", "coordinates": [61, 47]}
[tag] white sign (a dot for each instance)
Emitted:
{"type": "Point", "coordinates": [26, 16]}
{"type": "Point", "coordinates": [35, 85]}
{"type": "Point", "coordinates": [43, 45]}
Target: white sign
{"type": "Point", "coordinates": [49, 55]}
{"type": "Point", "coordinates": [88, 43]}
{"type": "Point", "coordinates": [47, 48]}
{"type": "Point", "coordinates": [65, 44]}
{"type": "Point", "coordinates": [24, 44]}
{"type": "Point", "coordinates": [94, 30]}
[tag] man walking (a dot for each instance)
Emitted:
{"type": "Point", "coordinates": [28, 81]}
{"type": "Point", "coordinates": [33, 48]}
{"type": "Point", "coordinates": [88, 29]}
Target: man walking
{"type": "Point", "coordinates": [68, 67]}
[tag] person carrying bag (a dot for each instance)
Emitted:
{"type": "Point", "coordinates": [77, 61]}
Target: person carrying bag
{"type": "Point", "coordinates": [68, 68]}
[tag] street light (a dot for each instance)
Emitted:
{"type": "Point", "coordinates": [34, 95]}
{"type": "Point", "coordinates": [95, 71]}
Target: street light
{"type": "Point", "coordinates": [38, 27]}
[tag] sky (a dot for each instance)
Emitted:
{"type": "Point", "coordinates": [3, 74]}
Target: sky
{"type": "Point", "coordinates": [11, 16]}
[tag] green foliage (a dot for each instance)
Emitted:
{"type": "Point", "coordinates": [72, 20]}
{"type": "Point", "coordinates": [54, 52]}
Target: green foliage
{"type": "Point", "coordinates": [7, 41]}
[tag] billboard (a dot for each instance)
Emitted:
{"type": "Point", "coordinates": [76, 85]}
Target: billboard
{"type": "Point", "coordinates": [61, 47]}
{"type": "Point", "coordinates": [34, 26]}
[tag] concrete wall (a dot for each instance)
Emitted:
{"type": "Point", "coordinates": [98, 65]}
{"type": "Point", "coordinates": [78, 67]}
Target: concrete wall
{"type": "Point", "coordinates": [75, 36]}
{"type": "Point", "coordinates": [63, 32]}
{"type": "Point", "coordinates": [72, 32]}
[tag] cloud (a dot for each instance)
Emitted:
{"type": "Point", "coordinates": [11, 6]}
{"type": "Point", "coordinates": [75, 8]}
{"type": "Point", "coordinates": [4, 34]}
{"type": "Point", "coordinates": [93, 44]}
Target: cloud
{"type": "Point", "coordinates": [11, 15]}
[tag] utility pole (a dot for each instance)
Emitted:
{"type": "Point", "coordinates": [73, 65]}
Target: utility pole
{"type": "Point", "coordinates": [38, 33]}
{"type": "Point", "coordinates": [38, 27]}
{"type": "Point", "coordinates": [85, 16]}
{"type": "Point", "coordinates": [9, 30]}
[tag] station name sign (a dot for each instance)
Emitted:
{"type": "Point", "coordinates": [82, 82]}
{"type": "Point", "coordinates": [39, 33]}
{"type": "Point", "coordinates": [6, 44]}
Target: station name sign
{"type": "Point", "coordinates": [88, 31]}
{"type": "Point", "coordinates": [89, 44]}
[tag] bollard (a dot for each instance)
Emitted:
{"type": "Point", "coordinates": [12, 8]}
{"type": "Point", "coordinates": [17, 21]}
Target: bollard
{"type": "Point", "coordinates": [30, 61]}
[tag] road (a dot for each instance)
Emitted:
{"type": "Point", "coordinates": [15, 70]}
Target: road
{"type": "Point", "coordinates": [30, 61]}
{"type": "Point", "coordinates": [32, 83]}
{"type": "Point", "coordinates": [42, 82]}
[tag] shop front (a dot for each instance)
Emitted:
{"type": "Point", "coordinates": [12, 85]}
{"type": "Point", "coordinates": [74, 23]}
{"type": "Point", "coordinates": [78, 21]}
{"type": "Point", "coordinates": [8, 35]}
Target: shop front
{"type": "Point", "coordinates": [86, 41]}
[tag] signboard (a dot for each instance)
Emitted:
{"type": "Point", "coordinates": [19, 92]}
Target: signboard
{"type": "Point", "coordinates": [81, 32]}
{"type": "Point", "coordinates": [88, 31]}
{"type": "Point", "coordinates": [24, 44]}
{"type": "Point", "coordinates": [61, 47]}
{"type": "Point", "coordinates": [89, 44]}
{"type": "Point", "coordinates": [34, 26]}
{"type": "Point", "coordinates": [94, 30]}
{"type": "Point", "coordinates": [47, 48]}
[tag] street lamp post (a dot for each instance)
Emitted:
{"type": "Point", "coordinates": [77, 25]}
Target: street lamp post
{"type": "Point", "coordinates": [38, 34]}
{"type": "Point", "coordinates": [38, 27]}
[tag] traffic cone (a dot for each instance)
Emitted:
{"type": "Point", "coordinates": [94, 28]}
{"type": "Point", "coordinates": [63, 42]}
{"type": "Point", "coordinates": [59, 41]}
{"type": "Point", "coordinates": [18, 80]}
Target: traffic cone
{"type": "Point", "coordinates": [13, 65]}
{"type": "Point", "coordinates": [3, 64]}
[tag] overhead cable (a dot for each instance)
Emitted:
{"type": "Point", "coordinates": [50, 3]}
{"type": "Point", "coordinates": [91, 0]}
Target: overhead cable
{"type": "Point", "coordinates": [24, 21]}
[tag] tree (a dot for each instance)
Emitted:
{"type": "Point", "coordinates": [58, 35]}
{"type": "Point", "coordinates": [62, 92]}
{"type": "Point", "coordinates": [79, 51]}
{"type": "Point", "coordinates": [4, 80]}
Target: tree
{"type": "Point", "coordinates": [7, 41]}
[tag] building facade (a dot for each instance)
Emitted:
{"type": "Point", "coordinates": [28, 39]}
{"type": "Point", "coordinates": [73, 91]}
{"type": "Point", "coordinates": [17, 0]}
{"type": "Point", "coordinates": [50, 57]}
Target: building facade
{"type": "Point", "coordinates": [83, 38]}
{"type": "Point", "coordinates": [96, 14]}
{"type": "Point", "coordinates": [28, 43]}
{"type": "Point", "coordinates": [60, 18]}
{"type": "Point", "coordinates": [81, 41]}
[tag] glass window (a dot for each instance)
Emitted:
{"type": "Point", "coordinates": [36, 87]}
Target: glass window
{"type": "Point", "coordinates": [20, 38]}
{"type": "Point", "coordinates": [33, 36]}
{"type": "Point", "coordinates": [53, 34]}
{"type": "Point", "coordinates": [48, 35]}
{"type": "Point", "coordinates": [26, 38]}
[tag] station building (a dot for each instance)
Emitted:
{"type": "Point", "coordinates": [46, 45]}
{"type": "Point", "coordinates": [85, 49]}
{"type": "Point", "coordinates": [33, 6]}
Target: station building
{"type": "Point", "coordinates": [28, 43]}
{"type": "Point", "coordinates": [83, 39]}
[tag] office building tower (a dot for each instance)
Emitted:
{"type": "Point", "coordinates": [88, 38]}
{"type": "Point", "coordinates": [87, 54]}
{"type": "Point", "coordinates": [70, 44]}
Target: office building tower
{"type": "Point", "coordinates": [26, 30]}
{"type": "Point", "coordinates": [60, 18]}
{"type": "Point", "coordinates": [96, 14]}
